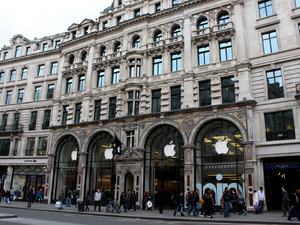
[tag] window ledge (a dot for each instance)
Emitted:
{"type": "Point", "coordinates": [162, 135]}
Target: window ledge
{"type": "Point", "coordinates": [279, 142]}
{"type": "Point", "coordinates": [267, 24]}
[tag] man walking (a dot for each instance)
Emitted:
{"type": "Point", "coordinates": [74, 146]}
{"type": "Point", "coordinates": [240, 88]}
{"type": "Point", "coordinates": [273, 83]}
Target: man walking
{"type": "Point", "coordinates": [29, 197]}
{"type": "Point", "coordinates": [285, 201]}
{"type": "Point", "coordinates": [261, 199]}
{"type": "Point", "coordinates": [179, 201]}
{"type": "Point", "coordinates": [227, 203]}
{"type": "Point", "coordinates": [97, 200]}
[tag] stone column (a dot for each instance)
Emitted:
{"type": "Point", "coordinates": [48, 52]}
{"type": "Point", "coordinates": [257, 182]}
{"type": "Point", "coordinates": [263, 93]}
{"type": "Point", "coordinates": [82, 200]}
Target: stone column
{"type": "Point", "coordinates": [49, 177]}
{"type": "Point", "coordinates": [189, 183]}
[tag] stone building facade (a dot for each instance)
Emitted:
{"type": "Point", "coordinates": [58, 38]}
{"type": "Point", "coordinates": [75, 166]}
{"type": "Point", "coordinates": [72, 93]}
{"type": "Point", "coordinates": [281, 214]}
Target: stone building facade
{"type": "Point", "coordinates": [202, 94]}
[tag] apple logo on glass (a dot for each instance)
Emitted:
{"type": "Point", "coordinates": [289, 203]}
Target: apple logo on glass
{"type": "Point", "coordinates": [74, 154]}
{"type": "Point", "coordinates": [169, 149]}
{"type": "Point", "coordinates": [108, 153]}
{"type": "Point", "coordinates": [221, 146]}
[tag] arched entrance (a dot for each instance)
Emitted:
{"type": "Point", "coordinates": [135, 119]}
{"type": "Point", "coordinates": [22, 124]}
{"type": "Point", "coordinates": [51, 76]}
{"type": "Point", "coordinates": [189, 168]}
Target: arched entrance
{"type": "Point", "coordinates": [100, 171]}
{"type": "Point", "coordinates": [65, 166]}
{"type": "Point", "coordinates": [128, 183]}
{"type": "Point", "coordinates": [219, 158]}
{"type": "Point", "coordinates": [164, 162]}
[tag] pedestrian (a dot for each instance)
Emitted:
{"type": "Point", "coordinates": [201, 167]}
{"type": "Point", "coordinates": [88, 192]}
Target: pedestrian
{"type": "Point", "coordinates": [60, 199]}
{"type": "Point", "coordinates": [7, 196]}
{"type": "Point", "coordinates": [75, 197]}
{"type": "Point", "coordinates": [285, 201]}
{"type": "Point", "coordinates": [69, 198]}
{"type": "Point", "coordinates": [87, 201]}
{"type": "Point", "coordinates": [190, 201]}
{"type": "Point", "coordinates": [179, 203]}
{"type": "Point", "coordinates": [39, 196]}
{"type": "Point", "coordinates": [123, 201]}
{"type": "Point", "coordinates": [29, 197]}
{"type": "Point", "coordinates": [261, 199]}
{"type": "Point", "coordinates": [241, 203]}
{"type": "Point", "coordinates": [97, 200]}
{"type": "Point", "coordinates": [196, 203]}
{"type": "Point", "coordinates": [133, 200]}
{"type": "Point", "coordinates": [33, 194]}
{"type": "Point", "coordinates": [294, 205]}
{"type": "Point", "coordinates": [222, 205]}
{"type": "Point", "coordinates": [227, 202]}
{"type": "Point", "coordinates": [255, 201]}
{"type": "Point", "coordinates": [12, 194]}
{"type": "Point", "coordinates": [203, 203]}
{"type": "Point", "coordinates": [3, 195]}
{"type": "Point", "coordinates": [149, 200]}
{"type": "Point", "coordinates": [93, 194]}
{"type": "Point", "coordinates": [161, 201]}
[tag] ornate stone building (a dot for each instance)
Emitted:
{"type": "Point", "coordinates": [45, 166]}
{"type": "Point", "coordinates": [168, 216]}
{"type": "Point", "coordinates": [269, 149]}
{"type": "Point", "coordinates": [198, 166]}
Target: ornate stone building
{"type": "Point", "coordinates": [202, 94]}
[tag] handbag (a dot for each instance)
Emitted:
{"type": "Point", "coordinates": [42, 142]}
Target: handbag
{"type": "Point", "coordinates": [57, 204]}
{"type": "Point", "coordinates": [201, 201]}
{"type": "Point", "coordinates": [149, 204]}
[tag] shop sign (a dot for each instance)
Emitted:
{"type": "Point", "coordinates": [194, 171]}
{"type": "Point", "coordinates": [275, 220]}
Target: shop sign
{"type": "Point", "coordinates": [282, 166]}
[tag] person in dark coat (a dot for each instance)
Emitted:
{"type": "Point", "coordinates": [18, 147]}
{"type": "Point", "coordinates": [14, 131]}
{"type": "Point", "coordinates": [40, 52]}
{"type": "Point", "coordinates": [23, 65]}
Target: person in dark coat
{"type": "Point", "coordinates": [87, 201]}
{"type": "Point", "coordinates": [208, 205]}
{"type": "Point", "coordinates": [179, 201]}
{"type": "Point", "coordinates": [190, 202]}
{"type": "Point", "coordinates": [196, 203]}
{"type": "Point", "coordinates": [161, 201]}
{"type": "Point", "coordinates": [7, 196]}
{"type": "Point", "coordinates": [227, 202]}
{"type": "Point", "coordinates": [123, 201]}
{"type": "Point", "coordinates": [29, 197]}
{"type": "Point", "coordinates": [133, 200]}
{"type": "Point", "coordinates": [285, 201]}
{"type": "Point", "coordinates": [294, 205]}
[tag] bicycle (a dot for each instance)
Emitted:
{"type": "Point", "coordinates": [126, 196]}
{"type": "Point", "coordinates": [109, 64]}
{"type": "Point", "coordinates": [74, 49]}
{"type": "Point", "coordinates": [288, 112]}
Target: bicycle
{"type": "Point", "coordinates": [113, 207]}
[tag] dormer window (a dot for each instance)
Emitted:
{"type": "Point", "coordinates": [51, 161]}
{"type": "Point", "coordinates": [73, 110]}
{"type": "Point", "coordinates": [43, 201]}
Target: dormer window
{"type": "Point", "coordinates": [137, 12]}
{"type": "Point", "coordinates": [85, 30]}
{"type": "Point", "coordinates": [118, 19]}
{"type": "Point", "coordinates": [28, 50]}
{"type": "Point", "coordinates": [5, 55]}
{"type": "Point", "coordinates": [105, 25]}
{"type": "Point", "coordinates": [73, 34]}
{"type": "Point", "coordinates": [18, 51]}
{"type": "Point", "coordinates": [157, 7]}
{"type": "Point", "coordinates": [45, 47]}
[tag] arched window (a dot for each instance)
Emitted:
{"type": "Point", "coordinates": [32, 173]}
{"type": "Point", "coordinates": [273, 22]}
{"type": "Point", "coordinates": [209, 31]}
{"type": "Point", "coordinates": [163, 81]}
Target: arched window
{"type": "Point", "coordinates": [103, 51]}
{"type": "Point", "coordinates": [84, 56]}
{"type": "Point", "coordinates": [202, 23]}
{"type": "Point", "coordinates": [223, 18]}
{"type": "Point", "coordinates": [117, 47]}
{"type": "Point", "coordinates": [176, 31]}
{"type": "Point", "coordinates": [157, 36]}
{"type": "Point", "coordinates": [136, 42]}
{"type": "Point", "coordinates": [71, 59]}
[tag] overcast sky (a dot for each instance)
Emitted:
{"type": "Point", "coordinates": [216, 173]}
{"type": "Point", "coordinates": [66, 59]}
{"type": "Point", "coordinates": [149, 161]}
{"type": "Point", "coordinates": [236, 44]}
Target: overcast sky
{"type": "Point", "coordinates": [35, 18]}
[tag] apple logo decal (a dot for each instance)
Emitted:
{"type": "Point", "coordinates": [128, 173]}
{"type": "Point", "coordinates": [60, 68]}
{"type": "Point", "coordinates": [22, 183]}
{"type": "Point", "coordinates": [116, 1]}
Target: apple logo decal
{"type": "Point", "coordinates": [221, 146]}
{"type": "Point", "coordinates": [169, 150]}
{"type": "Point", "coordinates": [74, 154]}
{"type": "Point", "coordinates": [108, 153]}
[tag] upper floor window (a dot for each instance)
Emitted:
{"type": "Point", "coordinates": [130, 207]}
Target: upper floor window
{"type": "Point", "coordinates": [84, 56]}
{"type": "Point", "coordinates": [33, 118]}
{"type": "Point", "coordinates": [120, 2]}
{"type": "Point", "coordinates": [112, 107]}
{"type": "Point", "coordinates": [297, 3]}
{"type": "Point", "coordinates": [225, 51]}
{"type": "Point", "coordinates": [86, 30]}
{"type": "Point", "coordinates": [175, 98]}
{"type": "Point", "coordinates": [117, 47]}
{"type": "Point", "coordinates": [202, 23]}
{"type": "Point", "coordinates": [45, 47]}
{"type": "Point", "coordinates": [24, 73]}
{"type": "Point", "coordinates": [279, 125]}
{"type": "Point", "coordinates": [4, 122]}
{"type": "Point", "coordinates": [97, 110]}
{"type": "Point", "coordinates": [37, 93]}
{"type": "Point", "coordinates": [228, 91]}
{"type": "Point", "coordinates": [223, 18]}
{"type": "Point", "coordinates": [118, 19]}
{"type": "Point", "coordinates": [41, 70]}
{"type": "Point", "coordinates": [1, 77]}
{"type": "Point", "coordinates": [50, 91]}
{"type": "Point", "coordinates": [130, 138]}
{"type": "Point", "coordinates": [81, 82]}
{"type": "Point", "coordinates": [157, 7]}
{"type": "Point", "coordinates": [157, 65]}
{"type": "Point", "coordinates": [115, 75]}
{"type": "Point", "coordinates": [157, 36]}
{"type": "Point", "coordinates": [54, 68]}
{"type": "Point", "coordinates": [203, 55]}
{"type": "Point", "coordinates": [69, 85]}
{"type": "Point", "coordinates": [57, 44]}
{"type": "Point", "coordinates": [42, 147]}
{"type": "Point", "coordinates": [8, 97]}
{"type": "Point", "coordinates": [103, 51]}
{"type": "Point", "coordinates": [77, 113]}
{"type": "Point", "coordinates": [4, 147]}
{"type": "Point", "coordinates": [16, 121]}
{"type": "Point", "coordinates": [275, 85]}
{"type": "Point", "coordinates": [15, 152]}
{"type": "Point", "coordinates": [137, 12]}
{"type": "Point", "coordinates": [71, 59]}
{"type": "Point", "coordinates": [73, 34]}
{"type": "Point", "coordinates": [156, 99]}
{"type": "Point", "coordinates": [5, 55]}
{"type": "Point", "coordinates": [133, 103]}
{"type": "Point", "coordinates": [174, 2]}
{"type": "Point", "coordinates": [12, 75]}
{"type": "Point", "coordinates": [104, 25]}
{"type": "Point", "coordinates": [65, 114]}
{"type": "Point", "coordinates": [20, 95]}
{"type": "Point", "coordinates": [176, 31]}
{"type": "Point", "coordinates": [136, 42]}
{"type": "Point", "coordinates": [204, 93]}
{"type": "Point", "coordinates": [100, 78]}
{"type": "Point", "coordinates": [176, 61]}
{"type": "Point", "coordinates": [28, 50]}
{"type": "Point", "coordinates": [46, 121]}
{"type": "Point", "coordinates": [270, 42]}
{"type": "Point", "coordinates": [134, 67]}
{"type": "Point", "coordinates": [265, 8]}
{"type": "Point", "coordinates": [30, 146]}
{"type": "Point", "coordinates": [18, 51]}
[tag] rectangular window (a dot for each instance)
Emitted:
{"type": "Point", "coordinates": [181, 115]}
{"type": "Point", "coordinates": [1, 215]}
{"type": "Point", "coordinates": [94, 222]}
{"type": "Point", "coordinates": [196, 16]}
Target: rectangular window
{"type": "Point", "coordinates": [86, 30]}
{"type": "Point", "coordinates": [5, 55]}
{"type": "Point", "coordinates": [18, 51]}
{"type": "Point", "coordinates": [204, 93]}
{"type": "Point", "coordinates": [73, 34]}
{"type": "Point", "coordinates": [50, 91]}
{"type": "Point", "coordinates": [65, 115]}
{"type": "Point", "coordinates": [156, 99]}
{"type": "Point", "coordinates": [42, 147]}
{"type": "Point", "coordinates": [30, 146]}
{"type": "Point", "coordinates": [77, 113]}
{"type": "Point", "coordinates": [4, 147]}
{"type": "Point", "coordinates": [105, 25]}
{"type": "Point", "coordinates": [46, 121]}
{"type": "Point", "coordinates": [279, 125]}
{"type": "Point", "coordinates": [8, 97]}
{"type": "Point", "coordinates": [174, 2]}
{"type": "Point", "coordinates": [69, 85]}
{"type": "Point", "coordinates": [176, 62]}
{"type": "Point", "coordinates": [81, 81]}
{"type": "Point", "coordinates": [157, 7]}
{"type": "Point", "coordinates": [175, 98]}
{"type": "Point", "coordinates": [228, 91]}
{"type": "Point", "coordinates": [41, 70]}
{"type": "Point", "coordinates": [4, 122]}
{"type": "Point", "coordinates": [24, 73]}
{"type": "Point", "coordinates": [57, 44]}
{"type": "Point", "coordinates": [20, 95]}
{"type": "Point", "coordinates": [270, 42]}
{"type": "Point", "coordinates": [100, 78]}
{"type": "Point", "coordinates": [135, 71]}
{"type": "Point", "coordinates": [115, 75]}
{"type": "Point", "coordinates": [118, 19]}
{"type": "Point", "coordinates": [12, 75]}
{"type": "Point", "coordinates": [275, 85]}
{"type": "Point", "coordinates": [37, 93]}
{"type": "Point", "coordinates": [1, 77]}
{"type": "Point", "coordinates": [157, 65]}
{"type": "Point", "coordinates": [137, 12]}
{"type": "Point", "coordinates": [225, 51]}
{"type": "Point", "coordinates": [97, 110]}
{"type": "Point", "coordinates": [265, 8]}
{"type": "Point", "coordinates": [16, 121]}
{"type": "Point", "coordinates": [28, 50]}
{"type": "Point", "coordinates": [45, 47]}
{"type": "Point", "coordinates": [203, 55]}
{"type": "Point", "coordinates": [33, 118]}
{"type": "Point", "coordinates": [112, 107]}
{"type": "Point", "coordinates": [54, 68]}
{"type": "Point", "coordinates": [15, 152]}
{"type": "Point", "coordinates": [297, 3]}
{"type": "Point", "coordinates": [130, 138]}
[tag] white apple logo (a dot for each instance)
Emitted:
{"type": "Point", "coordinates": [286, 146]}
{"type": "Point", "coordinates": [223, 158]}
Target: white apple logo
{"type": "Point", "coordinates": [221, 146]}
{"type": "Point", "coordinates": [108, 153]}
{"type": "Point", "coordinates": [74, 155]}
{"type": "Point", "coordinates": [169, 150]}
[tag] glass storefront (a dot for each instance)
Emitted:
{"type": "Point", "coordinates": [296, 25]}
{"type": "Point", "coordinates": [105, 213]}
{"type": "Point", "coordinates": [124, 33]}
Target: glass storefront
{"type": "Point", "coordinates": [219, 159]}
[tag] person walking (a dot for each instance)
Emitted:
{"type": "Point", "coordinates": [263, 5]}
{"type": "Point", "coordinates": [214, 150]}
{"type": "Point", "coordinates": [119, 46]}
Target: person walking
{"type": "Point", "coordinates": [7, 196]}
{"type": "Point", "coordinates": [33, 194]}
{"type": "Point", "coordinates": [261, 199]}
{"type": "Point", "coordinates": [39, 196]}
{"type": "Point", "coordinates": [69, 198]}
{"type": "Point", "coordinates": [87, 201]}
{"type": "Point", "coordinates": [285, 201]}
{"type": "Point", "coordinates": [196, 203]}
{"type": "Point", "coordinates": [161, 201]}
{"type": "Point", "coordinates": [29, 197]}
{"type": "Point", "coordinates": [123, 201]}
{"type": "Point", "coordinates": [241, 203]}
{"type": "Point", "coordinates": [97, 200]}
{"type": "Point", "coordinates": [255, 201]}
{"type": "Point", "coordinates": [60, 199]}
{"type": "Point", "coordinates": [294, 205]}
{"type": "Point", "coordinates": [179, 201]}
{"type": "Point", "coordinates": [133, 200]}
{"type": "Point", "coordinates": [190, 201]}
{"type": "Point", "coordinates": [227, 203]}
{"type": "Point", "coordinates": [75, 197]}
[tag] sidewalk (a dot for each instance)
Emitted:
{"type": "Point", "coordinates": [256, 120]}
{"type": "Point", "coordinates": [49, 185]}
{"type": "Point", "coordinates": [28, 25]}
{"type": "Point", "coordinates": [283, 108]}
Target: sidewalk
{"type": "Point", "coordinates": [265, 218]}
